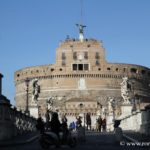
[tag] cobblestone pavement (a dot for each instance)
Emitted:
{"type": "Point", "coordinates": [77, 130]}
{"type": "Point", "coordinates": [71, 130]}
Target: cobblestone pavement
{"type": "Point", "coordinates": [94, 141]}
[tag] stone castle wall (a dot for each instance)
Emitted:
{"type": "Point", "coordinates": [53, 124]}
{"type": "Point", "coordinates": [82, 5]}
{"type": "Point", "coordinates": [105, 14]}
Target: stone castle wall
{"type": "Point", "coordinates": [100, 81]}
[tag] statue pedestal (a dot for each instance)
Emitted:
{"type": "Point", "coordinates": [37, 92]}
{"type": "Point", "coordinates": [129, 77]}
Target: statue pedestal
{"type": "Point", "coordinates": [126, 111]}
{"type": "Point", "coordinates": [34, 111]}
{"type": "Point", "coordinates": [110, 122]}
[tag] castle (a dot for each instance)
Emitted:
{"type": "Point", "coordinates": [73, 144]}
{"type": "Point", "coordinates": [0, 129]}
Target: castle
{"type": "Point", "coordinates": [81, 81]}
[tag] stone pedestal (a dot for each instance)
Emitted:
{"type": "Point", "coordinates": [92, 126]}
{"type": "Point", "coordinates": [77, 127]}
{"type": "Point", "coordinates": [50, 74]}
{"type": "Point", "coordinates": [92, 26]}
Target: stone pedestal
{"type": "Point", "coordinates": [126, 111]}
{"type": "Point", "coordinates": [34, 111]}
{"type": "Point", "coordinates": [110, 122]}
{"type": "Point", "coordinates": [145, 126]}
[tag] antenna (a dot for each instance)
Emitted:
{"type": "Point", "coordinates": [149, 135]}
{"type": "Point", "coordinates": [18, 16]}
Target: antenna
{"type": "Point", "coordinates": [81, 26]}
{"type": "Point", "coordinates": [81, 4]}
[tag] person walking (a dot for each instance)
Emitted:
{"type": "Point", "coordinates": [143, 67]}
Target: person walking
{"type": "Point", "coordinates": [88, 120]}
{"type": "Point", "coordinates": [99, 121]}
{"type": "Point", "coordinates": [104, 124]}
{"type": "Point", "coordinates": [118, 132]}
{"type": "Point", "coordinates": [40, 125]}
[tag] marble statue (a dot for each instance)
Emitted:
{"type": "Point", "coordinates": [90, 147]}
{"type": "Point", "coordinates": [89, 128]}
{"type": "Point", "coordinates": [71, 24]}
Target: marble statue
{"type": "Point", "coordinates": [125, 89]}
{"type": "Point", "coordinates": [35, 92]}
{"type": "Point", "coordinates": [50, 103]}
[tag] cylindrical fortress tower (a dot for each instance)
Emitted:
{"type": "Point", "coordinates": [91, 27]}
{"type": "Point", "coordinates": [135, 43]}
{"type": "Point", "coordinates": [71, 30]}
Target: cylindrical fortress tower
{"type": "Point", "coordinates": [80, 75]}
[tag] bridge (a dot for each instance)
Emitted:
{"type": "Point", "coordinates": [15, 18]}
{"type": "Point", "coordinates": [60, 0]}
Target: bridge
{"type": "Point", "coordinates": [94, 140]}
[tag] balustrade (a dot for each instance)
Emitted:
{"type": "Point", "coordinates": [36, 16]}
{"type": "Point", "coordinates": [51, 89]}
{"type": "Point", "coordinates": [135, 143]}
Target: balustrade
{"type": "Point", "coordinates": [12, 121]}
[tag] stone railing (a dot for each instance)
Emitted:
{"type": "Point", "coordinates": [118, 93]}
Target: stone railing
{"type": "Point", "coordinates": [132, 122]}
{"type": "Point", "coordinates": [138, 121]}
{"type": "Point", "coordinates": [12, 121]}
{"type": "Point", "coordinates": [145, 126]}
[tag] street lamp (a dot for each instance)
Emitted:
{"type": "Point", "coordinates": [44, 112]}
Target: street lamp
{"type": "Point", "coordinates": [27, 98]}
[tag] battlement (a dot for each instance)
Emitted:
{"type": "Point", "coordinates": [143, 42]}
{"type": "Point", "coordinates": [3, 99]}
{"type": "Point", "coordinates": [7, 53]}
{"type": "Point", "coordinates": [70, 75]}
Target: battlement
{"type": "Point", "coordinates": [71, 42]}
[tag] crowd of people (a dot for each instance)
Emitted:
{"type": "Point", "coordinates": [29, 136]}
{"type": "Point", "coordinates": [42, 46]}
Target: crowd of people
{"type": "Point", "coordinates": [101, 124]}
{"type": "Point", "coordinates": [55, 125]}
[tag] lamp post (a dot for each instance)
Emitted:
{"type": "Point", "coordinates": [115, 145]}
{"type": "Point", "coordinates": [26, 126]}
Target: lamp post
{"type": "Point", "coordinates": [27, 98]}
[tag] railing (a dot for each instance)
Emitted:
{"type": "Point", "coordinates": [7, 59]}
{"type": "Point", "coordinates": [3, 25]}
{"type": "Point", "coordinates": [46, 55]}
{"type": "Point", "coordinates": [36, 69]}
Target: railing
{"type": "Point", "coordinates": [12, 121]}
{"type": "Point", "coordinates": [138, 121]}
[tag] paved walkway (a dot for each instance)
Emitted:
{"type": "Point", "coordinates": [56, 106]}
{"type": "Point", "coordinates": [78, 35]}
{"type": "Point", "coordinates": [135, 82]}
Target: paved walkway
{"type": "Point", "coordinates": [94, 141]}
{"type": "Point", "coordinates": [20, 139]}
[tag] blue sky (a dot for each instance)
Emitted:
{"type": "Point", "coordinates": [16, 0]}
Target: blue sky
{"type": "Point", "coordinates": [30, 31]}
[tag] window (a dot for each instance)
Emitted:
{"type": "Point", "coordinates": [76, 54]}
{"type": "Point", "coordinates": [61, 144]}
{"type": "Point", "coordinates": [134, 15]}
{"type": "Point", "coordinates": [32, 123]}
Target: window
{"type": "Point", "coordinates": [63, 63]}
{"type": "Point", "coordinates": [86, 66]}
{"type": "Point", "coordinates": [97, 55]}
{"type": "Point", "coordinates": [143, 71]}
{"type": "Point", "coordinates": [63, 55]}
{"type": "Point", "coordinates": [97, 62]}
{"type": "Point", "coordinates": [74, 55]}
{"type": "Point", "coordinates": [80, 66]}
{"type": "Point", "coordinates": [133, 70]}
{"type": "Point", "coordinates": [108, 68]}
{"type": "Point", "coordinates": [85, 55]}
{"type": "Point", "coordinates": [88, 45]}
{"type": "Point", "coordinates": [75, 66]}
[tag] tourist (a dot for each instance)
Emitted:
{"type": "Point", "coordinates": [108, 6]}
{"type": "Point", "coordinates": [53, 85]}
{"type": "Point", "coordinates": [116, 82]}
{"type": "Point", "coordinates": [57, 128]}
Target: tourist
{"type": "Point", "coordinates": [64, 128]}
{"type": "Point", "coordinates": [79, 122]}
{"type": "Point", "coordinates": [99, 121]}
{"type": "Point", "coordinates": [118, 132]}
{"type": "Point", "coordinates": [88, 120]}
{"type": "Point", "coordinates": [40, 124]}
{"type": "Point", "coordinates": [55, 124]}
{"type": "Point", "coordinates": [72, 126]}
{"type": "Point", "coordinates": [104, 124]}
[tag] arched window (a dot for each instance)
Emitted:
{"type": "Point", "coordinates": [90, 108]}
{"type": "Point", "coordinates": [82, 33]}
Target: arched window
{"type": "Point", "coordinates": [143, 71]}
{"type": "Point", "coordinates": [108, 68]}
{"type": "Point", "coordinates": [133, 70]}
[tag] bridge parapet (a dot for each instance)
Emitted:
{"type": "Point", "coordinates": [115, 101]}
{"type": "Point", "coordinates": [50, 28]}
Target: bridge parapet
{"type": "Point", "coordinates": [139, 121]}
{"type": "Point", "coordinates": [12, 121]}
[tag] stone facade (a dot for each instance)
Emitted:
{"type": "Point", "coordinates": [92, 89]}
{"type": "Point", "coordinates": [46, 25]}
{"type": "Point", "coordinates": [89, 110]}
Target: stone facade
{"type": "Point", "coordinates": [81, 72]}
